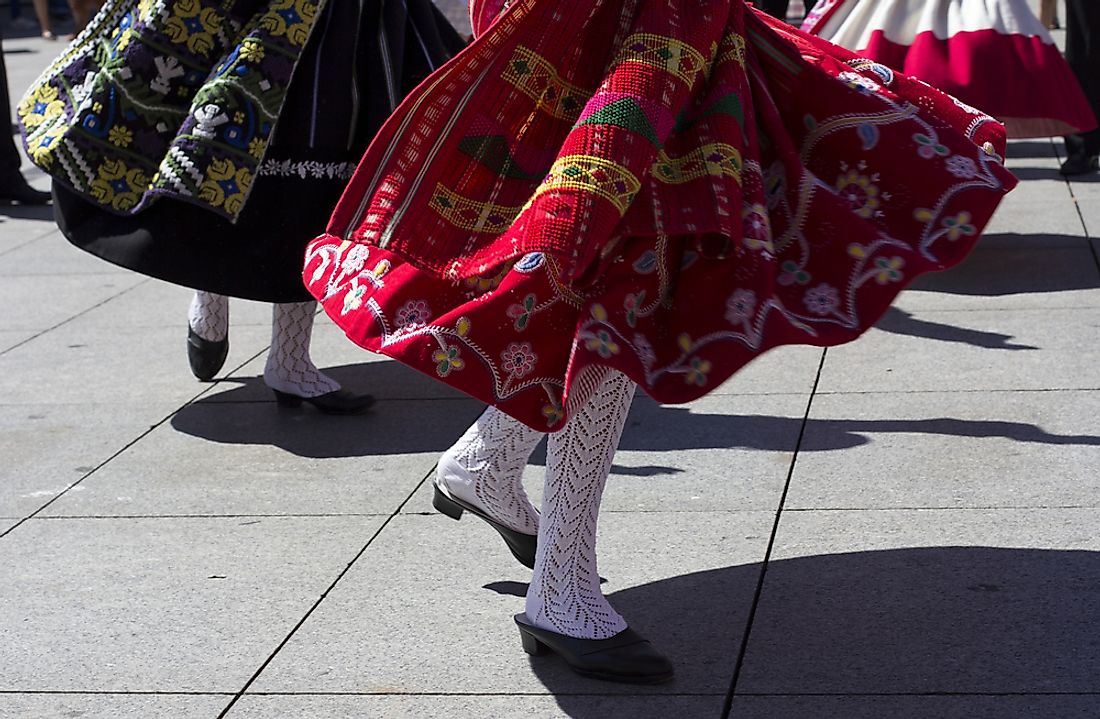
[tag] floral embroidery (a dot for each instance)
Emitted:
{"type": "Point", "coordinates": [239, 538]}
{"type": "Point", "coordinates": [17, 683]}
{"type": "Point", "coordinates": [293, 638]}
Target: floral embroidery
{"type": "Point", "coordinates": [602, 343]}
{"type": "Point", "coordinates": [554, 413]}
{"type": "Point", "coordinates": [698, 372]}
{"type": "Point", "coordinates": [889, 270]}
{"type": "Point", "coordinates": [413, 314]}
{"type": "Point", "coordinates": [226, 185]}
{"type": "Point", "coordinates": [929, 147]}
{"type": "Point", "coordinates": [118, 185]}
{"type": "Point", "coordinates": [860, 192]}
{"type": "Point", "coordinates": [791, 274]}
{"type": "Point", "coordinates": [822, 300]}
{"type": "Point", "coordinates": [121, 136]}
{"type": "Point", "coordinates": [355, 260]}
{"type": "Point", "coordinates": [959, 225]}
{"type": "Point", "coordinates": [354, 299]}
{"type": "Point", "coordinates": [757, 228]}
{"type": "Point", "coordinates": [481, 285]}
{"type": "Point", "coordinates": [518, 359]}
{"type": "Point", "coordinates": [859, 83]}
{"type": "Point", "coordinates": [448, 359]}
{"type": "Point", "coordinates": [308, 169]}
{"type": "Point", "coordinates": [740, 306]}
{"type": "Point", "coordinates": [522, 313]}
{"type": "Point", "coordinates": [632, 303]}
{"type": "Point", "coordinates": [193, 25]}
{"type": "Point", "coordinates": [962, 167]}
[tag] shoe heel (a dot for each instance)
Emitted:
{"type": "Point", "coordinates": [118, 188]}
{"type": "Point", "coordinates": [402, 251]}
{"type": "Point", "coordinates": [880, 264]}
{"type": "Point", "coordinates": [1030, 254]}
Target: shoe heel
{"type": "Point", "coordinates": [531, 645]}
{"type": "Point", "coordinates": [291, 401]}
{"type": "Point", "coordinates": [445, 505]}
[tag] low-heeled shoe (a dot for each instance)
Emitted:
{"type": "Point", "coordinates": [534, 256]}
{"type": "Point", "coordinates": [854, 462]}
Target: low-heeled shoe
{"type": "Point", "coordinates": [206, 357]}
{"type": "Point", "coordinates": [627, 657]}
{"type": "Point", "coordinates": [521, 545]}
{"type": "Point", "coordinates": [1080, 165]}
{"type": "Point", "coordinates": [340, 402]}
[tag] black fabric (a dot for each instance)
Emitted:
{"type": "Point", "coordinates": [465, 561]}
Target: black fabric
{"type": "Point", "coordinates": [779, 8]}
{"type": "Point", "coordinates": [338, 98]}
{"type": "Point", "coordinates": [9, 155]}
{"type": "Point", "coordinates": [1083, 55]}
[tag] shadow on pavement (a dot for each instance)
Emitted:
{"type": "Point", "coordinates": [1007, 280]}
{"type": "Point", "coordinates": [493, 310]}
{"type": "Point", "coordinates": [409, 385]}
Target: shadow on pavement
{"type": "Point", "coordinates": [899, 322]}
{"type": "Point", "coordinates": [968, 620]}
{"type": "Point", "coordinates": [1031, 148]}
{"type": "Point", "coordinates": [27, 212]}
{"type": "Point", "coordinates": [414, 414]}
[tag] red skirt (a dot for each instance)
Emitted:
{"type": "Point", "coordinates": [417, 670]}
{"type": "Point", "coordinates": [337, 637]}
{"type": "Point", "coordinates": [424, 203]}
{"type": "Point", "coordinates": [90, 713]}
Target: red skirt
{"type": "Point", "coordinates": [706, 186]}
{"type": "Point", "coordinates": [993, 55]}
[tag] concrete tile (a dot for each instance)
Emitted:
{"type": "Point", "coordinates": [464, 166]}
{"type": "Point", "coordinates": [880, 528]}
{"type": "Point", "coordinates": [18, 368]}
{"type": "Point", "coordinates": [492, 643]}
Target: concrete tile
{"type": "Point", "coordinates": [166, 605]}
{"type": "Point", "coordinates": [53, 255]}
{"type": "Point", "coordinates": [1040, 207]}
{"type": "Point", "coordinates": [16, 233]}
{"type": "Point", "coordinates": [783, 370]}
{"type": "Point", "coordinates": [1027, 276]}
{"type": "Point", "coordinates": [110, 706]}
{"type": "Point", "coordinates": [83, 364]}
{"type": "Point", "coordinates": [234, 459]}
{"type": "Point", "coordinates": [1087, 195]}
{"type": "Point", "coordinates": [929, 602]}
{"type": "Point", "coordinates": [587, 706]}
{"type": "Point", "coordinates": [12, 338]}
{"type": "Point", "coordinates": [48, 447]}
{"type": "Point", "coordinates": [7, 523]}
{"type": "Point", "coordinates": [931, 350]}
{"type": "Point", "coordinates": [162, 304]}
{"type": "Point", "coordinates": [954, 707]}
{"type": "Point", "coordinates": [977, 449]}
{"type": "Point", "coordinates": [44, 303]}
{"type": "Point", "coordinates": [429, 609]}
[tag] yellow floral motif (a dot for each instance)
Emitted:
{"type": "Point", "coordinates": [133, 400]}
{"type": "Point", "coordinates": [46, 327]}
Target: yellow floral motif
{"type": "Point", "coordinates": [860, 192]}
{"type": "Point", "coordinates": [226, 185]}
{"type": "Point", "coordinates": [193, 25]}
{"type": "Point", "coordinates": [483, 284]}
{"type": "Point", "coordinates": [118, 185]}
{"type": "Point", "coordinates": [292, 18]}
{"type": "Point", "coordinates": [238, 117]}
{"type": "Point", "coordinates": [120, 135]}
{"type": "Point", "coordinates": [256, 147]}
{"type": "Point", "coordinates": [252, 51]}
{"type": "Point", "coordinates": [697, 373]}
{"type": "Point", "coordinates": [43, 148]}
{"type": "Point", "coordinates": [41, 105]}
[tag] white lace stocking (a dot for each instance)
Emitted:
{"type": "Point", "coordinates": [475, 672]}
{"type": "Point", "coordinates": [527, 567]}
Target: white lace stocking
{"type": "Point", "coordinates": [209, 316]}
{"type": "Point", "coordinates": [289, 367]}
{"type": "Point", "coordinates": [485, 469]}
{"type": "Point", "coordinates": [564, 595]}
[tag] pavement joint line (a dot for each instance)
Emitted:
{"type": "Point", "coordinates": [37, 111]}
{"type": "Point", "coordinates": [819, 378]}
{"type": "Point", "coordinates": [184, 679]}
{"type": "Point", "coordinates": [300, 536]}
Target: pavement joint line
{"type": "Point", "coordinates": [76, 316]}
{"type": "Point", "coordinates": [357, 515]}
{"type": "Point", "coordinates": [324, 595]}
{"type": "Point", "coordinates": [727, 709]}
{"type": "Point", "coordinates": [975, 508]}
{"type": "Point", "coordinates": [34, 239]}
{"type": "Point", "coordinates": [920, 694]}
{"type": "Point", "coordinates": [125, 447]}
{"type": "Point", "coordinates": [992, 390]}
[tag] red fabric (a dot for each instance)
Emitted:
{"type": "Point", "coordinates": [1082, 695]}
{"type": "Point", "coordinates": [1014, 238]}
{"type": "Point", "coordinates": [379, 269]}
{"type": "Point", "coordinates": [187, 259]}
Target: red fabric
{"type": "Point", "coordinates": [1022, 81]}
{"type": "Point", "coordinates": [787, 191]}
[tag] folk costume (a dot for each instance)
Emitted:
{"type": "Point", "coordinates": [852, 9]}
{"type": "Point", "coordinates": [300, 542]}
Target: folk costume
{"type": "Point", "coordinates": [552, 219]}
{"type": "Point", "coordinates": [995, 55]}
{"type": "Point", "coordinates": [204, 142]}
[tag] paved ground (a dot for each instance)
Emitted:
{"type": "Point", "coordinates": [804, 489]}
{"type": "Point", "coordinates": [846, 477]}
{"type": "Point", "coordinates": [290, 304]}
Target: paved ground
{"type": "Point", "coordinates": [904, 527]}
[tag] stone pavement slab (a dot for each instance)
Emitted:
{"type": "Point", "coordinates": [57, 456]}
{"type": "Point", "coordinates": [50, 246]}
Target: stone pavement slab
{"type": "Point", "coordinates": [428, 609]}
{"type": "Point", "coordinates": [160, 605]}
{"type": "Point", "coordinates": [917, 707]}
{"type": "Point", "coordinates": [931, 350]}
{"type": "Point", "coordinates": [110, 706]}
{"type": "Point", "coordinates": [53, 255]}
{"type": "Point", "coordinates": [40, 304]}
{"type": "Point", "coordinates": [938, 449]}
{"type": "Point", "coordinates": [256, 459]}
{"type": "Point", "coordinates": [580, 706]}
{"type": "Point", "coordinates": [917, 602]}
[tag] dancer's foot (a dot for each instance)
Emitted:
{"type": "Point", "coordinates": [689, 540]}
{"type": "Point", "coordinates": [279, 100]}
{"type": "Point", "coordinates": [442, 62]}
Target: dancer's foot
{"type": "Point", "coordinates": [290, 371]}
{"type": "Point", "coordinates": [1080, 164]}
{"type": "Point", "coordinates": [627, 657]}
{"type": "Point", "coordinates": [207, 334]}
{"type": "Point", "coordinates": [15, 188]}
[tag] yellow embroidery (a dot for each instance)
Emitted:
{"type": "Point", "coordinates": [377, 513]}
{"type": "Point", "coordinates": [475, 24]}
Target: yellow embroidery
{"type": "Point", "coordinates": [586, 173]}
{"type": "Point", "coordinates": [663, 53]}
{"type": "Point", "coordinates": [535, 77]}
{"type": "Point", "coordinates": [470, 214]}
{"type": "Point", "coordinates": [732, 48]}
{"type": "Point", "coordinates": [717, 160]}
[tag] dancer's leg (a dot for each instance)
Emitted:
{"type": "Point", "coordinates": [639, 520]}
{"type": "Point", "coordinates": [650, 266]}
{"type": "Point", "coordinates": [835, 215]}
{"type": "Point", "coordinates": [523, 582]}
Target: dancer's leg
{"type": "Point", "coordinates": [289, 367]}
{"type": "Point", "coordinates": [209, 316]}
{"type": "Point", "coordinates": [485, 468]}
{"type": "Point", "coordinates": [565, 596]}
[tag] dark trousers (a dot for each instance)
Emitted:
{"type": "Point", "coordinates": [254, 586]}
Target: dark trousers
{"type": "Point", "coordinates": [1083, 55]}
{"type": "Point", "coordinates": [9, 155]}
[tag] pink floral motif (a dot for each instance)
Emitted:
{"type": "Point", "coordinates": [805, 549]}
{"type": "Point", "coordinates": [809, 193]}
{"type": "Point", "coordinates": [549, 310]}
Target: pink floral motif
{"type": "Point", "coordinates": [822, 300]}
{"type": "Point", "coordinates": [740, 306]}
{"type": "Point", "coordinates": [519, 359]}
{"type": "Point", "coordinates": [413, 314]}
{"type": "Point", "coordinates": [757, 228]}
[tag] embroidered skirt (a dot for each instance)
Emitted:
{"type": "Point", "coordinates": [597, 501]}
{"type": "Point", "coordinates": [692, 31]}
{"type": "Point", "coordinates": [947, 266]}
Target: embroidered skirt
{"type": "Point", "coordinates": [995, 55]}
{"type": "Point", "coordinates": [205, 142]}
{"type": "Point", "coordinates": [673, 203]}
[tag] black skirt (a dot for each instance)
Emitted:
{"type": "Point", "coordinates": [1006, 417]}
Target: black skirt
{"type": "Point", "coordinates": [332, 111]}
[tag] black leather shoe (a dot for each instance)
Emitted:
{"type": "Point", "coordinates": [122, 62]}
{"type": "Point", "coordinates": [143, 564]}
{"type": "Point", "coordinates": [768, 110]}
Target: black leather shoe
{"type": "Point", "coordinates": [1080, 165]}
{"type": "Point", "coordinates": [14, 188]}
{"type": "Point", "coordinates": [522, 545]}
{"type": "Point", "coordinates": [627, 657]}
{"type": "Point", "coordinates": [206, 357]}
{"type": "Point", "coordinates": [341, 401]}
